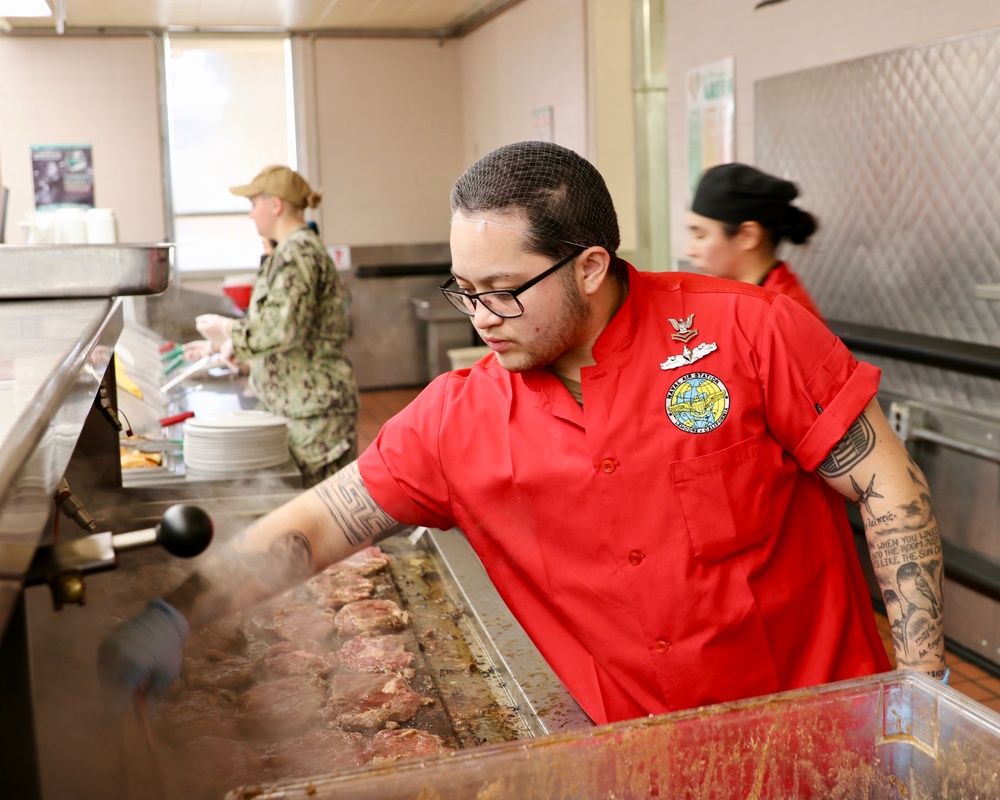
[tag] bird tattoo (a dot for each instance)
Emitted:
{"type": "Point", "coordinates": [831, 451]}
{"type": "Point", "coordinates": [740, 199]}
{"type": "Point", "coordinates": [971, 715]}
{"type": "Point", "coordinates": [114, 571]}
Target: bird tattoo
{"type": "Point", "coordinates": [894, 604]}
{"type": "Point", "coordinates": [865, 495]}
{"type": "Point", "coordinates": [915, 590]}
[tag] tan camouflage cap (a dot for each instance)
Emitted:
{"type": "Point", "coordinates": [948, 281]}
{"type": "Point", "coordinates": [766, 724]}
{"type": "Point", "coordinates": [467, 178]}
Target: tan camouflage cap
{"type": "Point", "coordinates": [281, 182]}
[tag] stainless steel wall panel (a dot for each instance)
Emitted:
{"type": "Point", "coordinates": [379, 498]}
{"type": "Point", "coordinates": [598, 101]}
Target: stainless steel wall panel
{"type": "Point", "coordinates": [898, 155]}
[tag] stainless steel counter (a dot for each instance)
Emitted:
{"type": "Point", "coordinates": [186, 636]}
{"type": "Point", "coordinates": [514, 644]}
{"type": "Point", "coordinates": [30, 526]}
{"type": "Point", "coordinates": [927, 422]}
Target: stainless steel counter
{"type": "Point", "coordinates": [53, 356]}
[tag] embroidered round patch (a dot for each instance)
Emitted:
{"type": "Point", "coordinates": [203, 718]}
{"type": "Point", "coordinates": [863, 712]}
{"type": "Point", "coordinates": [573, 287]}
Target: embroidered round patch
{"type": "Point", "coordinates": [697, 403]}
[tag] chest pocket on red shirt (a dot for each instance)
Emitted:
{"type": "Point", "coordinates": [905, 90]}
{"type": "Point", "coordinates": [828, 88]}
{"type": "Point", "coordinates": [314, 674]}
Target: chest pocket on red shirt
{"type": "Point", "coordinates": [724, 500]}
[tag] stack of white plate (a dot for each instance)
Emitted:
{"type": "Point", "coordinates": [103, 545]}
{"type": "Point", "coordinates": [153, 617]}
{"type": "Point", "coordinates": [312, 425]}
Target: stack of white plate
{"type": "Point", "coordinates": [235, 441]}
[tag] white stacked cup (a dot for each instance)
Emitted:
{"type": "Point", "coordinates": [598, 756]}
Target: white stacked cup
{"type": "Point", "coordinates": [70, 226]}
{"type": "Point", "coordinates": [100, 223]}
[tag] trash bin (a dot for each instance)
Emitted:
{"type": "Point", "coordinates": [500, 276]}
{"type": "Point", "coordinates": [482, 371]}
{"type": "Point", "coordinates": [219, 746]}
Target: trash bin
{"type": "Point", "coordinates": [446, 330]}
{"type": "Point", "coordinates": [465, 357]}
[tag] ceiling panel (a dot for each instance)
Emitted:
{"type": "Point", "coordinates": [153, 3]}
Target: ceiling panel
{"type": "Point", "coordinates": [412, 17]}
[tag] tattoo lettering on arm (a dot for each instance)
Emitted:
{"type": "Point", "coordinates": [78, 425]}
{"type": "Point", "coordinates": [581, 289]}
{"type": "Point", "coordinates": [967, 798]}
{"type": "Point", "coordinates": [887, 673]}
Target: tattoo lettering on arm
{"type": "Point", "coordinates": [906, 553]}
{"type": "Point", "coordinates": [352, 509]}
{"type": "Point", "coordinates": [858, 442]}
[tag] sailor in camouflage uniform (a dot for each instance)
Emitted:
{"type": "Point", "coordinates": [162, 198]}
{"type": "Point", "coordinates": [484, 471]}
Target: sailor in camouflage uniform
{"type": "Point", "coordinates": [293, 334]}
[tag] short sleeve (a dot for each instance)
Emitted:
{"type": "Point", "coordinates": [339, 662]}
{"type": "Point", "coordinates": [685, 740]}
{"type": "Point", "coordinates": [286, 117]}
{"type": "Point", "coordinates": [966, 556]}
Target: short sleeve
{"type": "Point", "coordinates": [402, 470]}
{"type": "Point", "coordinates": [814, 388]}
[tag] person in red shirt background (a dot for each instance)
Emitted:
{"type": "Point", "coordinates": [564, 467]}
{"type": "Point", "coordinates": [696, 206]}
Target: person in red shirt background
{"type": "Point", "coordinates": [739, 216]}
{"type": "Point", "coordinates": [642, 464]}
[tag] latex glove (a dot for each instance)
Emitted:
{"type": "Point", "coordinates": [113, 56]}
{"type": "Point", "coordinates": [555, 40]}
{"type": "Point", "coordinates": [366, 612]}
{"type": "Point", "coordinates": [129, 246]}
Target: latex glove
{"type": "Point", "coordinates": [143, 654]}
{"type": "Point", "coordinates": [196, 351]}
{"type": "Point", "coordinates": [229, 355]}
{"type": "Point", "coordinates": [214, 327]}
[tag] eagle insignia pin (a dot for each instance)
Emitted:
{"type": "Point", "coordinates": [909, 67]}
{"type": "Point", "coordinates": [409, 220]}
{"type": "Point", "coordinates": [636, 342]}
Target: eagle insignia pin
{"type": "Point", "coordinates": [684, 331]}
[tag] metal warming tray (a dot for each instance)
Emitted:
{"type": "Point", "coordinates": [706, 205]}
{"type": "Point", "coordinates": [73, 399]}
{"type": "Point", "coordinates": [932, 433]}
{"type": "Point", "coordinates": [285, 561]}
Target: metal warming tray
{"type": "Point", "coordinates": [896, 735]}
{"type": "Point", "coordinates": [30, 272]}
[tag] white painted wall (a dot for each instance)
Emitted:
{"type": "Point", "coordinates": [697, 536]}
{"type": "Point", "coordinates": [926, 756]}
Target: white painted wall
{"type": "Point", "coordinates": [611, 120]}
{"type": "Point", "coordinates": [531, 56]}
{"type": "Point", "coordinates": [572, 55]}
{"type": "Point", "coordinates": [787, 37]}
{"type": "Point", "coordinates": [396, 120]}
{"type": "Point", "coordinates": [389, 138]}
{"type": "Point", "coordinates": [100, 91]}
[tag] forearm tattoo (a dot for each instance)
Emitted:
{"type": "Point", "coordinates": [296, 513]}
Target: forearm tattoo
{"type": "Point", "coordinates": [856, 444]}
{"type": "Point", "coordinates": [906, 554]}
{"type": "Point", "coordinates": [254, 574]}
{"type": "Point", "coordinates": [352, 509]}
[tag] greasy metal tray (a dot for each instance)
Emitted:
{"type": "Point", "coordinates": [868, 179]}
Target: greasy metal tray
{"type": "Point", "coordinates": [897, 735]}
{"type": "Point", "coordinates": [31, 272]}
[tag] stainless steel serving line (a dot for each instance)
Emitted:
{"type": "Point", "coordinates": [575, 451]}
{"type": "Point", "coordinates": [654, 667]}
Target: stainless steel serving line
{"type": "Point", "coordinates": [60, 317]}
{"type": "Point", "coordinates": [61, 416]}
{"type": "Point", "coordinates": [53, 358]}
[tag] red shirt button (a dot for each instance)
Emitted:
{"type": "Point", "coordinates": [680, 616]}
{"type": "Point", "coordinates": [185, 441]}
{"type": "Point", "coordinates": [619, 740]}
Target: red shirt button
{"type": "Point", "coordinates": [608, 465]}
{"type": "Point", "coordinates": [635, 558]}
{"type": "Point", "coordinates": [662, 646]}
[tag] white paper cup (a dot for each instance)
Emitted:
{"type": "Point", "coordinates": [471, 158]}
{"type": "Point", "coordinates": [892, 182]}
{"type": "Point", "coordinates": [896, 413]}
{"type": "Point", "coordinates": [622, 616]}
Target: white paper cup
{"type": "Point", "coordinates": [101, 226]}
{"type": "Point", "coordinates": [70, 226]}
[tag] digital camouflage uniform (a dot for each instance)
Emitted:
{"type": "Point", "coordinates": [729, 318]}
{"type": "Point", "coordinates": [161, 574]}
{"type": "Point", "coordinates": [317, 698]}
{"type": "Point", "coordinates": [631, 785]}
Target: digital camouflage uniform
{"type": "Point", "coordinates": [292, 337]}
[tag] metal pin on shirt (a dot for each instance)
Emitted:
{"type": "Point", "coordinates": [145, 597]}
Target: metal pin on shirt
{"type": "Point", "coordinates": [685, 333]}
{"type": "Point", "coordinates": [689, 356]}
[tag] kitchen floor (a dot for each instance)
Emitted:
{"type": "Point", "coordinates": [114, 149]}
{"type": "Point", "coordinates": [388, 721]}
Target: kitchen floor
{"type": "Point", "coordinates": [972, 681]}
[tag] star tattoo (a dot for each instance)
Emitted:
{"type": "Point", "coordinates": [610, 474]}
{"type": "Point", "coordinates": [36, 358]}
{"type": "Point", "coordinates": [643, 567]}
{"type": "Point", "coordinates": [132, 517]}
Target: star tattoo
{"type": "Point", "coordinates": [865, 495]}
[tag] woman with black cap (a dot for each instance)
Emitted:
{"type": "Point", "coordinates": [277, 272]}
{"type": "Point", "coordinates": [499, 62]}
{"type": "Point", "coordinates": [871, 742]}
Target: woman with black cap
{"type": "Point", "coordinates": [738, 218]}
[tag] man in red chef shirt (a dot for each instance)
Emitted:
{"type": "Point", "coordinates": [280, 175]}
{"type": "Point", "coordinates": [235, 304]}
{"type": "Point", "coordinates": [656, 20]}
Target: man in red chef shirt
{"type": "Point", "coordinates": [642, 464]}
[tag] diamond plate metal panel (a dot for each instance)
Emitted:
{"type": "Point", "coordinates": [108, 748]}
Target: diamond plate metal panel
{"type": "Point", "coordinates": [898, 155]}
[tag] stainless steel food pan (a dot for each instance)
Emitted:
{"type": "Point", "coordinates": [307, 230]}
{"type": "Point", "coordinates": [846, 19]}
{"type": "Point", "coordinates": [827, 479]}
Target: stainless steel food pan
{"type": "Point", "coordinates": [29, 272]}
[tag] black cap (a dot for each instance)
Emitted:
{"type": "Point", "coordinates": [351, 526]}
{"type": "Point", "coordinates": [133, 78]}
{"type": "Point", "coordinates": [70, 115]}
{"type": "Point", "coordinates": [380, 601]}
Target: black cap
{"type": "Point", "coordinates": [736, 193]}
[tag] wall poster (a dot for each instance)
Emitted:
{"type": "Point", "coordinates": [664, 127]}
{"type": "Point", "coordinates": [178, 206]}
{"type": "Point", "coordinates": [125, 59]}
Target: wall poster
{"type": "Point", "coordinates": [543, 124]}
{"type": "Point", "coordinates": [711, 107]}
{"type": "Point", "coordinates": [63, 176]}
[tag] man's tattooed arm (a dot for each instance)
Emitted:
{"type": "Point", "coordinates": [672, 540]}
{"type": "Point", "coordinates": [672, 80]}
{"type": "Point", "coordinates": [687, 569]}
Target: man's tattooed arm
{"type": "Point", "coordinates": [325, 524]}
{"type": "Point", "coordinates": [872, 469]}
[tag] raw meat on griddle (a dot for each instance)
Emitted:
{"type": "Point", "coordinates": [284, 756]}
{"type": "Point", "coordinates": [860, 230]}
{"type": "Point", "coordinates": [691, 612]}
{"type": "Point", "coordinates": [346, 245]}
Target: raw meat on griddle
{"type": "Point", "coordinates": [334, 589]}
{"type": "Point", "coordinates": [318, 752]}
{"type": "Point", "coordinates": [287, 658]}
{"type": "Point", "coordinates": [364, 562]}
{"type": "Point", "coordinates": [302, 623]}
{"type": "Point", "coordinates": [234, 673]}
{"type": "Point", "coordinates": [225, 635]}
{"type": "Point", "coordinates": [367, 702]}
{"type": "Point", "coordinates": [188, 715]}
{"type": "Point", "coordinates": [378, 653]}
{"type": "Point", "coordinates": [403, 743]}
{"type": "Point", "coordinates": [283, 707]}
{"type": "Point", "coordinates": [371, 615]}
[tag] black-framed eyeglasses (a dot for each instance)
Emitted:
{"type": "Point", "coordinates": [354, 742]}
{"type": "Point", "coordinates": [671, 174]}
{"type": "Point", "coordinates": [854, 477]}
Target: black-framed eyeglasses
{"type": "Point", "coordinates": [504, 302]}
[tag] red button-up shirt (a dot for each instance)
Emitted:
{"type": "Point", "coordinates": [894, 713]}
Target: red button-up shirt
{"type": "Point", "coordinates": [782, 280]}
{"type": "Point", "coordinates": [667, 545]}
